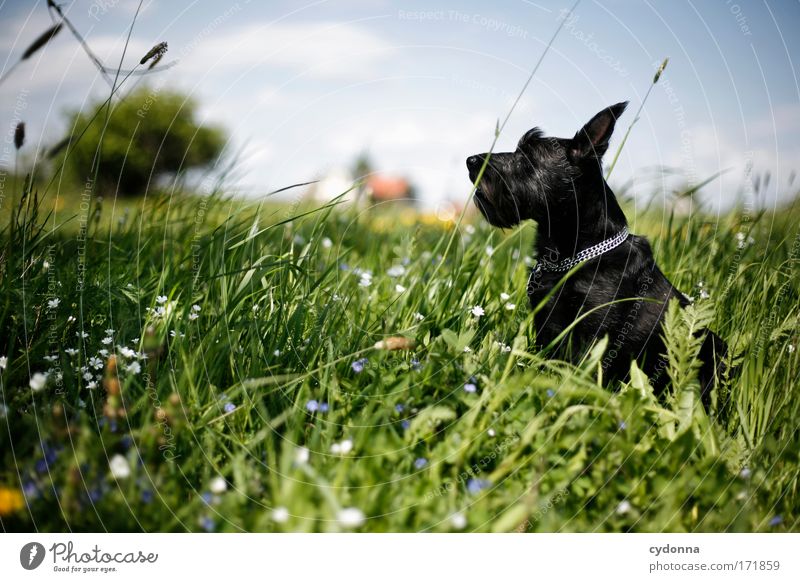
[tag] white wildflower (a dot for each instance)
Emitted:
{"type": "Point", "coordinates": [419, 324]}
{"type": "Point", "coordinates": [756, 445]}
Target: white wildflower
{"type": "Point", "coordinates": [510, 306]}
{"type": "Point", "coordinates": [280, 515]}
{"type": "Point", "coordinates": [477, 311]}
{"type": "Point", "coordinates": [126, 351]}
{"type": "Point", "coordinates": [120, 469]}
{"type": "Point", "coordinates": [134, 367]}
{"type": "Point", "coordinates": [504, 296]}
{"type": "Point", "coordinates": [350, 517]}
{"type": "Point", "coordinates": [458, 521]}
{"type": "Point", "coordinates": [342, 448]}
{"type": "Point", "coordinates": [396, 271]}
{"type": "Point", "coordinates": [95, 363]}
{"type": "Point", "coordinates": [327, 243]}
{"type": "Point", "coordinates": [418, 316]}
{"type": "Point", "coordinates": [623, 507]}
{"type": "Point", "coordinates": [53, 303]}
{"type": "Point", "coordinates": [399, 288]}
{"type": "Point", "coordinates": [161, 299]}
{"type": "Point", "coordinates": [218, 485]}
{"type": "Point", "coordinates": [71, 351]}
{"type": "Point", "coordinates": [301, 455]}
{"type": "Point", "coordinates": [3, 362]}
{"type": "Point", "coordinates": [38, 381]}
{"type": "Point", "coordinates": [503, 347]}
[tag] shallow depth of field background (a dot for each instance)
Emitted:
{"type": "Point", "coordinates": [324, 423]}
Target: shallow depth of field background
{"type": "Point", "coordinates": [246, 289]}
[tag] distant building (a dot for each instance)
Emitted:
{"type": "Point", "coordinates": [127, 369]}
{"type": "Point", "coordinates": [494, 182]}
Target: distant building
{"type": "Point", "coordinates": [382, 188]}
{"type": "Point", "coordinates": [333, 184]}
{"type": "Point", "coordinates": [374, 188]}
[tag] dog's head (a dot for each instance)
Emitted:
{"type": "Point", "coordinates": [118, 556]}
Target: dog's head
{"type": "Point", "coordinates": [538, 180]}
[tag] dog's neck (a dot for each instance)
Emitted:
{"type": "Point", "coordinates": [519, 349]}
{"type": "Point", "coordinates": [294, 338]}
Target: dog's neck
{"type": "Point", "coordinates": [594, 216]}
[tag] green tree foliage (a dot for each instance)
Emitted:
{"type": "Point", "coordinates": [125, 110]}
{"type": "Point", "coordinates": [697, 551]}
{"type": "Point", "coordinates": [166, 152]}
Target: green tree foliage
{"type": "Point", "coordinates": [150, 134]}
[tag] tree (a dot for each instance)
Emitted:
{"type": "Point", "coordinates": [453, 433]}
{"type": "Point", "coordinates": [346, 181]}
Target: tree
{"type": "Point", "coordinates": [150, 134]}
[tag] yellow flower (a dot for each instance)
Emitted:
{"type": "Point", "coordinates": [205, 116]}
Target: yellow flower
{"type": "Point", "coordinates": [11, 500]}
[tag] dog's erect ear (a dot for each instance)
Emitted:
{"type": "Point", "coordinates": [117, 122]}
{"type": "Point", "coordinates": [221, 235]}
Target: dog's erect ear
{"type": "Point", "coordinates": [592, 139]}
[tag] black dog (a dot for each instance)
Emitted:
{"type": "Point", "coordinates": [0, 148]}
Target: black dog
{"type": "Point", "coordinates": [559, 184]}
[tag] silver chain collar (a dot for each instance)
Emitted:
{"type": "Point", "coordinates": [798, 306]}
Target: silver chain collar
{"type": "Point", "coordinates": [595, 251]}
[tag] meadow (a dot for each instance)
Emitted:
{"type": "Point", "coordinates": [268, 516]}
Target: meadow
{"type": "Point", "coordinates": [206, 364]}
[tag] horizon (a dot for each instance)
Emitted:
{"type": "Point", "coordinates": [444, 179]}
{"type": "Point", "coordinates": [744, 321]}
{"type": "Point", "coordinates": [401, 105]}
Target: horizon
{"type": "Point", "coordinates": [303, 91]}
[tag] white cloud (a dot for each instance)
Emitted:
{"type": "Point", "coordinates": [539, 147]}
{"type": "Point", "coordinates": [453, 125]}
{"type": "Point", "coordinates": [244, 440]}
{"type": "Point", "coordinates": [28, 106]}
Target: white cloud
{"type": "Point", "coordinates": [318, 49]}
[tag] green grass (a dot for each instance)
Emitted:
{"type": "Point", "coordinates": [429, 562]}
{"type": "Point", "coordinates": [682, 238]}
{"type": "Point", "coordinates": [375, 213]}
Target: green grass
{"type": "Point", "coordinates": [539, 445]}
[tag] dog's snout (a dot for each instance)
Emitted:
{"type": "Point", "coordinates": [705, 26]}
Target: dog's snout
{"type": "Point", "coordinates": [473, 162]}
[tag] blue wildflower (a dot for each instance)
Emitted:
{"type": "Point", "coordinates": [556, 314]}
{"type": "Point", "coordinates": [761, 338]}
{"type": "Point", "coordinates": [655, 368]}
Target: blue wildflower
{"type": "Point", "coordinates": [344, 266]}
{"type": "Point", "coordinates": [470, 388]}
{"type": "Point", "coordinates": [50, 454]}
{"type": "Point", "coordinates": [358, 365]}
{"type": "Point", "coordinates": [475, 486]}
{"type": "Point", "coordinates": [399, 408]}
{"type": "Point", "coordinates": [30, 490]}
{"type": "Point", "coordinates": [41, 466]}
{"type": "Point", "coordinates": [777, 520]}
{"type": "Point", "coordinates": [229, 407]}
{"type": "Point", "coordinates": [95, 495]}
{"type": "Point", "coordinates": [207, 498]}
{"type": "Point", "coordinates": [323, 407]}
{"type": "Point", "coordinates": [126, 442]}
{"type": "Point", "coordinates": [421, 463]}
{"type": "Point", "coordinates": [622, 425]}
{"type": "Point", "coordinates": [207, 524]}
{"type": "Point", "coordinates": [550, 393]}
{"type": "Point", "coordinates": [147, 496]}
{"type": "Point", "coordinates": [415, 365]}
{"type": "Point", "coordinates": [405, 424]}
{"type": "Point", "coordinates": [312, 405]}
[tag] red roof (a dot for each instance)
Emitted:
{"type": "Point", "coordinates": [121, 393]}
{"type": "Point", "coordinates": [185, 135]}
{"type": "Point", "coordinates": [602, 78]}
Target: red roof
{"type": "Point", "coordinates": [387, 187]}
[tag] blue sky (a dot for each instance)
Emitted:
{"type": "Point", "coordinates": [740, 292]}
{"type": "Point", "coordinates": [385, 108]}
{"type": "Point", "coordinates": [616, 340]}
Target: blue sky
{"type": "Point", "coordinates": [420, 85]}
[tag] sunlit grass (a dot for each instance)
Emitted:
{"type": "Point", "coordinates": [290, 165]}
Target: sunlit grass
{"type": "Point", "coordinates": [244, 341]}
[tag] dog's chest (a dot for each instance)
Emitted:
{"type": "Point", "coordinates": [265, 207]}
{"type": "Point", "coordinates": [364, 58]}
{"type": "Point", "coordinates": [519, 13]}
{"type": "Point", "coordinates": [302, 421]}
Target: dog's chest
{"type": "Point", "coordinates": [580, 296]}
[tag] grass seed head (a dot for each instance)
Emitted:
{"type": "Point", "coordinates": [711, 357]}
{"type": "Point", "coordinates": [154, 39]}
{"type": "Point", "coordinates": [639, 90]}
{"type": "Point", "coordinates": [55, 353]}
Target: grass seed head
{"type": "Point", "coordinates": [156, 52]}
{"type": "Point", "coordinates": [396, 343]}
{"type": "Point", "coordinates": [660, 70]}
{"type": "Point", "coordinates": [42, 40]}
{"type": "Point", "coordinates": [19, 135]}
